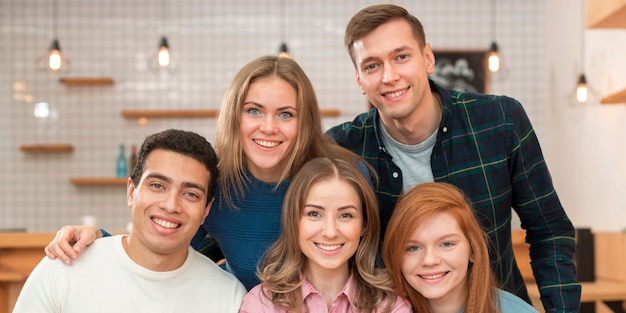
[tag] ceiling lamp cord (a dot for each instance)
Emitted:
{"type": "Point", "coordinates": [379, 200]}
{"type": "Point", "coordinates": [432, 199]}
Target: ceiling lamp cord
{"type": "Point", "coordinates": [283, 51]}
{"type": "Point", "coordinates": [494, 57]}
{"type": "Point", "coordinates": [54, 60]}
{"type": "Point", "coordinates": [582, 90]}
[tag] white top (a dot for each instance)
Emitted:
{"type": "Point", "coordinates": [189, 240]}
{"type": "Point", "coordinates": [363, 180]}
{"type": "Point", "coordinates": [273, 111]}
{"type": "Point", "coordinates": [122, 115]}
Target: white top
{"type": "Point", "coordinates": [105, 279]}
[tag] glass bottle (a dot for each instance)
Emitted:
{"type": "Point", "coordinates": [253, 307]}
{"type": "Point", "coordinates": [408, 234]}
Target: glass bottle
{"type": "Point", "coordinates": [132, 159]}
{"type": "Point", "coordinates": [121, 162]}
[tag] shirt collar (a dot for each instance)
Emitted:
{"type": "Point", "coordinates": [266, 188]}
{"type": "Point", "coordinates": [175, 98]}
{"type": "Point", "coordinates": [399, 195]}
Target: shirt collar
{"type": "Point", "coordinates": [347, 291]}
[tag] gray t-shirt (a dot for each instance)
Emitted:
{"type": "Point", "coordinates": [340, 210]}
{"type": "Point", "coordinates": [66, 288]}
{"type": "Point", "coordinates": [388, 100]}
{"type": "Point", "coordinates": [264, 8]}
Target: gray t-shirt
{"type": "Point", "coordinates": [413, 160]}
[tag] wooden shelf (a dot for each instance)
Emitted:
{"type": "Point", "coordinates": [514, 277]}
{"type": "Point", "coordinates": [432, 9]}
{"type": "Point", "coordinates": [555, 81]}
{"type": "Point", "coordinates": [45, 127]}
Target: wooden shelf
{"type": "Point", "coordinates": [195, 113]}
{"type": "Point", "coordinates": [618, 97]}
{"type": "Point", "coordinates": [606, 14]}
{"type": "Point", "coordinates": [330, 112]}
{"type": "Point", "coordinates": [168, 113]}
{"type": "Point", "coordinates": [86, 81]}
{"type": "Point", "coordinates": [99, 181]}
{"type": "Point", "coordinates": [42, 148]}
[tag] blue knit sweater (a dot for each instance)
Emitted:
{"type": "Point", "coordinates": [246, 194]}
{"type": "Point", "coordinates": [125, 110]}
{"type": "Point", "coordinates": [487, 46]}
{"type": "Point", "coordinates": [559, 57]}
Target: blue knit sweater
{"type": "Point", "coordinates": [244, 232]}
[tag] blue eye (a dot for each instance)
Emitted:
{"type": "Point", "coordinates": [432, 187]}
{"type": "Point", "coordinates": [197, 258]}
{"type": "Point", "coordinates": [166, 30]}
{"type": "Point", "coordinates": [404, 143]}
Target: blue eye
{"type": "Point", "coordinates": [447, 244]}
{"type": "Point", "coordinates": [412, 248]}
{"type": "Point", "coordinates": [254, 111]}
{"type": "Point", "coordinates": [285, 115]}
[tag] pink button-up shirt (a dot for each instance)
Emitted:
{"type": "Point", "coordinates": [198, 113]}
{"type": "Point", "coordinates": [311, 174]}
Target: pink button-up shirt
{"type": "Point", "coordinates": [314, 302]}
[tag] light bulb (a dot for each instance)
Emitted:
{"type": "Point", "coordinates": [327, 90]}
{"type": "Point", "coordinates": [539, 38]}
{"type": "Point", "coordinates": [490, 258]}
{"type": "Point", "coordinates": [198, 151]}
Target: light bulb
{"type": "Point", "coordinates": [582, 93]}
{"type": "Point", "coordinates": [494, 58]}
{"type": "Point", "coordinates": [164, 53]}
{"type": "Point", "coordinates": [494, 62]}
{"type": "Point", "coordinates": [54, 61]}
{"type": "Point", "coordinates": [164, 56]}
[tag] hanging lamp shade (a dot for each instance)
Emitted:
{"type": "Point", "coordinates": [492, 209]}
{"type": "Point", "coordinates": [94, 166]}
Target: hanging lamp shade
{"type": "Point", "coordinates": [582, 92]}
{"type": "Point", "coordinates": [163, 58]}
{"type": "Point", "coordinates": [284, 51]}
{"type": "Point", "coordinates": [53, 60]}
{"type": "Point", "coordinates": [164, 53]}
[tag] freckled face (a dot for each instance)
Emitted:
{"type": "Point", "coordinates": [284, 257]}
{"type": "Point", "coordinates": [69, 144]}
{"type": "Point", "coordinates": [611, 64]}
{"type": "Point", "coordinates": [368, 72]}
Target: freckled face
{"type": "Point", "coordinates": [392, 70]}
{"type": "Point", "coordinates": [437, 258]}
{"type": "Point", "coordinates": [331, 225]}
{"type": "Point", "coordinates": [269, 127]}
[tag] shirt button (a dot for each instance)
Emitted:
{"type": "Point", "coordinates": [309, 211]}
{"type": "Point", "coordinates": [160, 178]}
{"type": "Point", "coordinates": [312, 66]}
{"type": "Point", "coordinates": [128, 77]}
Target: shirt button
{"type": "Point", "coordinates": [395, 175]}
{"type": "Point", "coordinates": [445, 129]}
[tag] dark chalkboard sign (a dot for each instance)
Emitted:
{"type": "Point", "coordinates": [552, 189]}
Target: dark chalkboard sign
{"type": "Point", "coordinates": [461, 70]}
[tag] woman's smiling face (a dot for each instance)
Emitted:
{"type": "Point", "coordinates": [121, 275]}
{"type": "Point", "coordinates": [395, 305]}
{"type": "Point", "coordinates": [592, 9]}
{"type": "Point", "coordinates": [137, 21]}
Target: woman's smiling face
{"type": "Point", "coordinates": [437, 259]}
{"type": "Point", "coordinates": [269, 126]}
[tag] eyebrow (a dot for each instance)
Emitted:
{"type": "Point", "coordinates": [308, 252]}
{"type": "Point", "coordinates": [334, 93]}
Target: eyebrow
{"type": "Point", "coordinates": [169, 180]}
{"type": "Point", "coordinates": [345, 207]}
{"type": "Point", "coordinates": [289, 107]}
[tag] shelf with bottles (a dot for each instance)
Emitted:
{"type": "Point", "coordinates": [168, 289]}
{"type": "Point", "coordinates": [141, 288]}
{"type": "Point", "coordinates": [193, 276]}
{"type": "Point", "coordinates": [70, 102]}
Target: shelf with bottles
{"type": "Point", "coordinates": [195, 113]}
{"type": "Point", "coordinates": [125, 164]}
{"type": "Point", "coordinates": [45, 148]}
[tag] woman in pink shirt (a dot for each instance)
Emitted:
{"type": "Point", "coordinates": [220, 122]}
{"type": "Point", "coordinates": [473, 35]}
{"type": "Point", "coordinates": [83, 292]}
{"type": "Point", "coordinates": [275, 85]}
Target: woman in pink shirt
{"type": "Point", "coordinates": [324, 258]}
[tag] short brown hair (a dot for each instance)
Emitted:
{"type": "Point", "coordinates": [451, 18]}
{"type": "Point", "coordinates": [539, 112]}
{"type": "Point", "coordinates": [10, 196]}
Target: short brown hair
{"type": "Point", "coordinates": [369, 18]}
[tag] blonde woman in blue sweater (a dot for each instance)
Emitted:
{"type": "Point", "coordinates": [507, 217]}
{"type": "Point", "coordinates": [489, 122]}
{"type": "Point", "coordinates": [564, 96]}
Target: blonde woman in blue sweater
{"type": "Point", "coordinates": [269, 126]}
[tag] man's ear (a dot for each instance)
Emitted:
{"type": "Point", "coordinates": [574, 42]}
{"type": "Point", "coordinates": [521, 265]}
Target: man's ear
{"type": "Point", "coordinates": [429, 58]}
{"type": "Point", "coordinates": [130, 192]}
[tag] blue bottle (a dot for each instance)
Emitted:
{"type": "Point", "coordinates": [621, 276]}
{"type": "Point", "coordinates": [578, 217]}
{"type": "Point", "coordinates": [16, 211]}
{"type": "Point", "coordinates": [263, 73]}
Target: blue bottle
{"type": "Point", "coordinates": [121, 163]}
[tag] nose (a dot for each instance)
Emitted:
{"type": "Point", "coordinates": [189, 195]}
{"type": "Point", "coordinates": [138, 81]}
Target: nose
{"type": "Point", "coordinates": [390, 75]}
{"type": "Point", "coordinates": [171, 202]}
{"type": "Point", "coordinates": [431, 256]}
{"type": "Point", "coordinates": [268, 125]}
{"type": "Point", "coordinates": [329, 228]}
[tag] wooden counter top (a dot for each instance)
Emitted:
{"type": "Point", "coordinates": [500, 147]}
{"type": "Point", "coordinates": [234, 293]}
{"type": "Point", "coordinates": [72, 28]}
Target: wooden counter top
{"type": "Point", "coordinates": [19, 254]}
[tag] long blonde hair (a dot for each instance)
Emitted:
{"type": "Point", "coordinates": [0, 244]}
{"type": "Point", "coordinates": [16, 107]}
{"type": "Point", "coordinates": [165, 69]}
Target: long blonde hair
{"type": "Point", "coordinates": [414, 208]}
{"type": "Point", "coordinates": [310, 142]}
{"type": "Point", "coordinates": [280, 273]}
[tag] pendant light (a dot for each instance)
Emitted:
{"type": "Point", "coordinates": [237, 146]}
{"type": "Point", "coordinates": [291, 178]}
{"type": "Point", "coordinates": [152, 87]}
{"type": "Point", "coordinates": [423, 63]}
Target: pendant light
{"type": "Point", "coordinates": [494, 57]}
{"type": "Point", "coordinates": [582, 94]}
{"type": "Point", "coordinates": [163, 58]}
{"type": "Point", "coordinates": [54, 60]}
{"type": "Point", "coordinates": [283, 51]}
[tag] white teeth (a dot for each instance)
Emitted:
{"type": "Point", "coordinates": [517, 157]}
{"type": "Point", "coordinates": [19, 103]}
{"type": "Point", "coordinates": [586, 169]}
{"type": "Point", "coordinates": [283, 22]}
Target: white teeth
{"type": "Point", "coordinates": [395, 94]}
{"type": "Point", "coordinates": [164, 224]}
{"type": "Point", "coordinates": [433, 276]}
{"type": "Point", "coordinates": [267, 144]}
{"type": "Point", "coordinates": [328, 248]}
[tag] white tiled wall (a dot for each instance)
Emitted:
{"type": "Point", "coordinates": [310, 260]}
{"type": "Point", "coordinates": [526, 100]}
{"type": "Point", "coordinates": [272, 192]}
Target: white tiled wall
{"type": "Point", "coordinates": [211, 41]}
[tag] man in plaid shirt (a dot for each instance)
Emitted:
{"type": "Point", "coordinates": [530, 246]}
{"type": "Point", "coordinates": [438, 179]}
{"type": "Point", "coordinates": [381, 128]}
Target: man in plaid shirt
{"type": "Point", "coordinates": [483, 144]}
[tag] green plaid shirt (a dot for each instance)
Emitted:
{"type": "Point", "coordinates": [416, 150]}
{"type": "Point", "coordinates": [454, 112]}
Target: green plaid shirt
{"type": "Point", "coordinates": [487, 147]}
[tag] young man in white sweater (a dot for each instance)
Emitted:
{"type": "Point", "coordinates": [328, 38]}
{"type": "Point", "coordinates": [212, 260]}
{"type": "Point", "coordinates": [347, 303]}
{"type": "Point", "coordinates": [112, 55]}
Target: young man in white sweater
{"type": "Point", "coordinates": [152, 269]}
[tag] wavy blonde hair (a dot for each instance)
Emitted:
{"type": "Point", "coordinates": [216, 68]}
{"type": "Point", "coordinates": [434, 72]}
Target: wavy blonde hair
{"type": "Point", "coordinates": [280, 272]}
{"type": "Point", "coordinates": [413, 209]}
